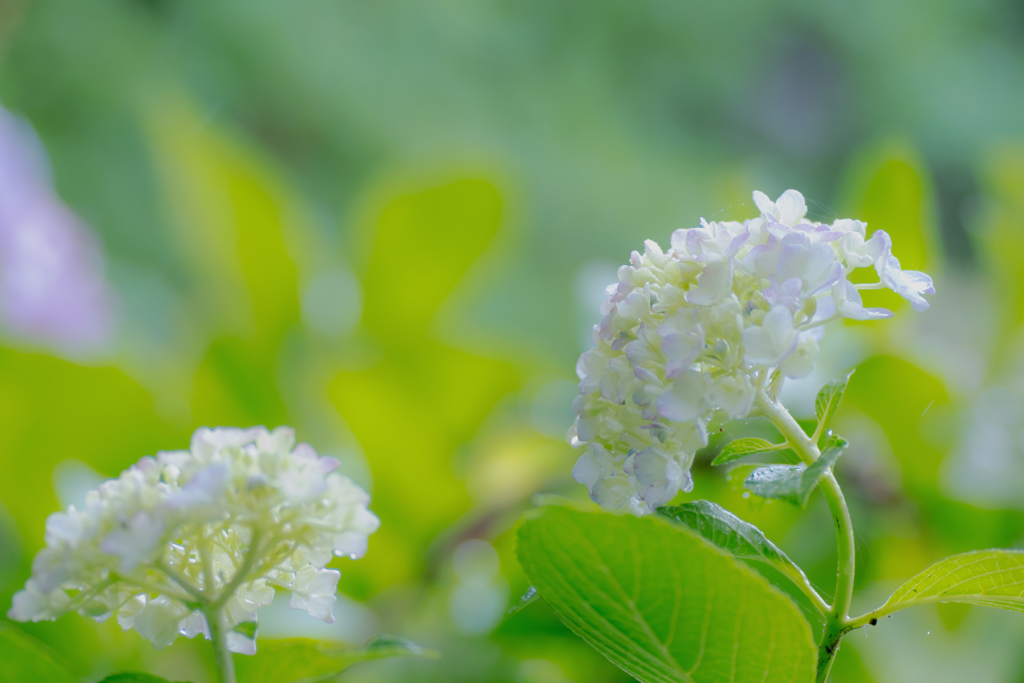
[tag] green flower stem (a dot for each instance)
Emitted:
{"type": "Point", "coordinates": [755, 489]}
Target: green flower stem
{"type": "Point", "coordinates": [219, 636]}
{"type": "Point", "coordinates": [180, 581]}
{"type": "Point", "coordinates": [845, 541]}
{"type": "Point", "coordinates": [828, 647]}
{"type": "Point", "coordinates": [213, 608]}
{"type": "Point", "coordinates": [837, 619]}
{"type": "Point", "coordinates": [241, 574]}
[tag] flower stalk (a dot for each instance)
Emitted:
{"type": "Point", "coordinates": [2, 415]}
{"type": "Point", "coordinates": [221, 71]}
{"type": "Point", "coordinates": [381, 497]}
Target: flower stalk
{"type": "Point", "coordinates": [837, 617]}
{"type": "Point", "coordinates": [221, 653]}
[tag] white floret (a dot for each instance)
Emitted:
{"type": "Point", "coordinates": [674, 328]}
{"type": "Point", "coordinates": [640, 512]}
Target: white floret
{"type": "Point", "coordinates": [215, 528]}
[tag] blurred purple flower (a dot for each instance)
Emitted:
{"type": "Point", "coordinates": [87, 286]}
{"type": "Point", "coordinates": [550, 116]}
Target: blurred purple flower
{"type": "Point", "coordinates": [52, 287]}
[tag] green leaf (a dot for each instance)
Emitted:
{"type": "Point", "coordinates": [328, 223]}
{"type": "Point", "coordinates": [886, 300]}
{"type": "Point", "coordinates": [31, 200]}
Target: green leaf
{"type": "Point", "coordinates": [528, 599]}
{"type": "Point", "coordinates": [662, 603]}
{"type": "Point", "coordinates": [738, 448]}
{"type": "Point", "coordinates": [994, 578]}
{"type": "Point", "coordinates": [300, 660]}
{"type": "Point", "coordinates": [134, 677]}
{"type": "Point", "coordinates": [23, 658]}
{"type": "Point", "coordinates": [827, 400]}
{"type": "Point", "coordinates": [246, 628]}
{"type": "Point", "coordinates": [732, 534]}
{"type": "Point", "coordinates": [794, 483]}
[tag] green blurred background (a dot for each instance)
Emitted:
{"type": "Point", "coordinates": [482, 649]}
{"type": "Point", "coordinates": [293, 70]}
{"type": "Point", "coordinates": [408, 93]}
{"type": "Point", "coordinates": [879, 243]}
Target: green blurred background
{"type": "Point", "coordinates": [389, 224]}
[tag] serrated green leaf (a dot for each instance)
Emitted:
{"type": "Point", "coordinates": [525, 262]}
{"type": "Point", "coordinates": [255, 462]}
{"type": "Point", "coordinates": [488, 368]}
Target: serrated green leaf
{"type": "Point", "coordinates": [827, 400]}
{"type": "Point", "coordinates": [732, 534]}
{"type": "Point", "coordinates": [662, 603]}
{"type": "Point", "coordinates": [23, 658]}
{"type": "Point", "coordinates": [794, 483]}
{"type": "Point", "coordinates": [134, 677]}
{"type": "Point", "coordinates": [738, 448]}
{"type": "Point", "coordinates": [300, 660]}
{"type": "Point", "coordinates": [993, 578]}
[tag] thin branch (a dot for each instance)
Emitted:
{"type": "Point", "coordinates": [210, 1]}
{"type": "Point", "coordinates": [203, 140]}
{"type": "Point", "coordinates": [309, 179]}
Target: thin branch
{"type": "Point", "coordinates": [241, 573]}
{"type": "Point", "coordinates": [182, 582]}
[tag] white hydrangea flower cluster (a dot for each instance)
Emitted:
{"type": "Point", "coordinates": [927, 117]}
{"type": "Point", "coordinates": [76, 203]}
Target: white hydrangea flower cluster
{"type": "Point", "coordinates": [694, 334]}
{"type": "Point", "coordinates": [208, 531]}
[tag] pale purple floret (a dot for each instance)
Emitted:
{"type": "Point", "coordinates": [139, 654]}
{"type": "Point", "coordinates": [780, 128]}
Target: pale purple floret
{"type": "Point", "coordinates": [701, 331]}
{"type": "Point", "coordinates": [52, 287]}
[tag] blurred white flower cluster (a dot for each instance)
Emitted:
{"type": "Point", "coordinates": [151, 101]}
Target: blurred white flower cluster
{"type": "Point", "coordinates": [207, 531]}
{"type": "Point", "coordinates": [696, 332]}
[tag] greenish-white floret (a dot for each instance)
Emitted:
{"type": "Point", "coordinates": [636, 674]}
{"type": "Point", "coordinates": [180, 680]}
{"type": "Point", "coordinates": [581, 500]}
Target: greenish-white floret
{"type": "Point", "coordinates": [211, 530]}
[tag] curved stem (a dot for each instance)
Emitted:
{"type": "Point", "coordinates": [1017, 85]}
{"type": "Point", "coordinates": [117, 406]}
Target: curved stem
{"type": "Point", "coordinates": [838, 621]}
{"type": "Point", "coordinates": [845, 544]}
{"type": "Point", "coordinates": [221, 653]}
{"type": "Point", "coordinates": [788, 427]}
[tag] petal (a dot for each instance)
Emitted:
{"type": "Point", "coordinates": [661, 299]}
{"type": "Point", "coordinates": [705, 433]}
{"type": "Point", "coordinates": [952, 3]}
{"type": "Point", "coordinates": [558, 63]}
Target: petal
{"type": "Point", "coordinates": [800, 363]}
{"type": "Point", "coordinates": [595, 464]}
{"type": "Point", "coordinates": [765, 205]}
{"type": "Point", "coordinates": [241, 644]}
{"type": "Point", "coordinates": [687, 398]}
{"type": "Point", "coordinates": [614, 493]}
{"type": "Point", "coordinates": [791, 207]}
{"type": "Point", "coordinates": [734, 395]}
{"type": "Point", "coordinates": [793, 262]}
{"type": "Point", "coordinates": [714, 282]}
{"type": "Point", "coordinates": [772, 340]}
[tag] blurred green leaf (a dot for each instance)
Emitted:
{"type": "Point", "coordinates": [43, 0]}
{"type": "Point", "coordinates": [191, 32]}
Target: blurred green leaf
{"type": "Point", "coordinates": [301, 660]}
{"type": "Point", "coordinates": [734, 450]}
{"type": "Point", "coordinates": [849, 666]}
{"type": "Point", "coordinates": [25, 659]}
{"type": "Point", "coordinates": [888, 189]}
{"type": "Point", "coordinates": [135, 677]}
{"type": "Point", "coordinates": [732, 534]}
{"type": "Point", "coordinates": [827, 400]}
{"type": "Point", "coordinates": [793, 483]}
{"type": "Point", "coordinates": [106, 420]}
{"type": "Point", "coordinates": [441, 395]}
{"type": "Point", "coordinates": [447, 227]}
{"type": "Point", "coordinates": [231, 216]}
{"type": "Point", "coordinates": [661, 602]}
{"type": "Point", "coordinates": [903, 399]}
{"type": "Point", "coordinates": [993, 578]}
{"type": "Point", "coordinates": [237, 227]}
{"type": "Point", "coordinates": [1001, 243]}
